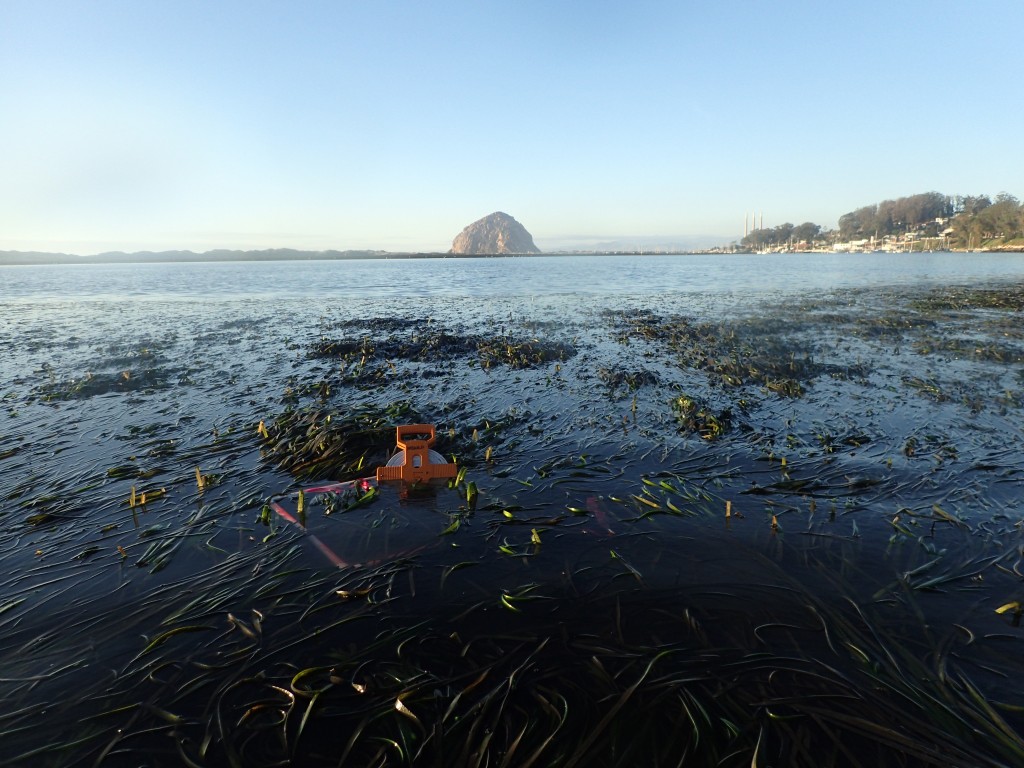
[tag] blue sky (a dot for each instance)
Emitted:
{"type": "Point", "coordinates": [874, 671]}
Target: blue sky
{"type": "Point", "coordinates": [373, 124]}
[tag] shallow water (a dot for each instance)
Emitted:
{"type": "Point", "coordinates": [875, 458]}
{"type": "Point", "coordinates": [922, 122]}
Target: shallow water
{"type": "Point", "coordinates": [890, 482]}
{"type": "Point", "coordinates": [747, 276]}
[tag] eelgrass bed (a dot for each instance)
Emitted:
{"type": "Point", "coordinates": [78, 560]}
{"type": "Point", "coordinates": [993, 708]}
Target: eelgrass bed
{"type": "Point", "coordinates": [789, 538]}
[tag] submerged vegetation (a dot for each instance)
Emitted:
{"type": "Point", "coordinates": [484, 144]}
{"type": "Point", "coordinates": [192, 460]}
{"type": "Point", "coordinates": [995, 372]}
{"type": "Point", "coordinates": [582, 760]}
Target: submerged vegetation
{"type": "Point", "coordinates": [430, 344]}
{"type": "Point", "coordinates": [315, 443]}
{"type": "Point", "coordinates": [793, 537]}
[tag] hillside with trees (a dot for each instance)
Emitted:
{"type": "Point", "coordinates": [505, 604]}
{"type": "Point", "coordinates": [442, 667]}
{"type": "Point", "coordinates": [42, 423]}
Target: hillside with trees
{"type": "Point", "coordinates": [896, 217]}
{"type": "Point", "coordinates": [928, 221]}
{"type": "Point", "coordinates": [983, 223]}
{"type": "Point", "coordinates": [800, 237]}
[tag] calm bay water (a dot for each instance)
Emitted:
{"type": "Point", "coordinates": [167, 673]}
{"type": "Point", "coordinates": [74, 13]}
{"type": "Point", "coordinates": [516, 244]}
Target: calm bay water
{"type": "Point", "coordinates": [742, 275]}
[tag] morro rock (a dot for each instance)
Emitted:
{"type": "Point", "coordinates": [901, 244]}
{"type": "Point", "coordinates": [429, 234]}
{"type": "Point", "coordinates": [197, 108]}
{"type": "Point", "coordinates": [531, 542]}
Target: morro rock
{"type": "Point", "coordinates": [497, 233]}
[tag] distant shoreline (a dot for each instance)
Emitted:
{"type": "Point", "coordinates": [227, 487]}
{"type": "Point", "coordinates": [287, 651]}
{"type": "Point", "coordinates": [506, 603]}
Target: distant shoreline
{"type": "Point", "coordinates": [35, 258]}
{"type": "Point", "coordinates": [23, 258]}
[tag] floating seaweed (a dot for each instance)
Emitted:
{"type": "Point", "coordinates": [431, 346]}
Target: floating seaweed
{"type": "Point", "coordinates": [696, 417]}
{"type": "Point", "coordinates": [318, 443]}
{"type": "Point", "coordinates": [435, 345]}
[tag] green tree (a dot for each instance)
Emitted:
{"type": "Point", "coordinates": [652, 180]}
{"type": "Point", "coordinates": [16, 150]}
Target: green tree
{"type": "Point", "coordinates": [1001, 219]}
{"type": "Point", "coordinates": [973, 204]}
{"type": "Point", "coordinates": [858, 224]}
{"type": "Point", "coordinates": [783, 233]}
{"type": "Point", "coordinates": [806, 232]}
{"type": "Point", "coordinates": [847, 226]}
{"type": "Point", "coordinates": [887, 218]}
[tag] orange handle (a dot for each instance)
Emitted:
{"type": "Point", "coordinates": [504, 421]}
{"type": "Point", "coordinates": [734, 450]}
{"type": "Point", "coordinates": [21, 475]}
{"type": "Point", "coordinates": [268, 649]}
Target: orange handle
{"type": "Point", "coordinates": [414, 440]}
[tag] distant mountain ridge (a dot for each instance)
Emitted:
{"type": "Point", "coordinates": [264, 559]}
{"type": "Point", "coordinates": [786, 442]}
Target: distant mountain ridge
{"type": "Point", "coordinates": [494, 234]}
{"type": "Point", "coordinates": [163, 257]}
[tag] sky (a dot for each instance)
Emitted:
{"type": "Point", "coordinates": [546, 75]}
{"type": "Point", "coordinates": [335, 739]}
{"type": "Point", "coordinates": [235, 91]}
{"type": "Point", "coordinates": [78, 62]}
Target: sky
{"type": "Point", "coordinates": [350, 124]}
